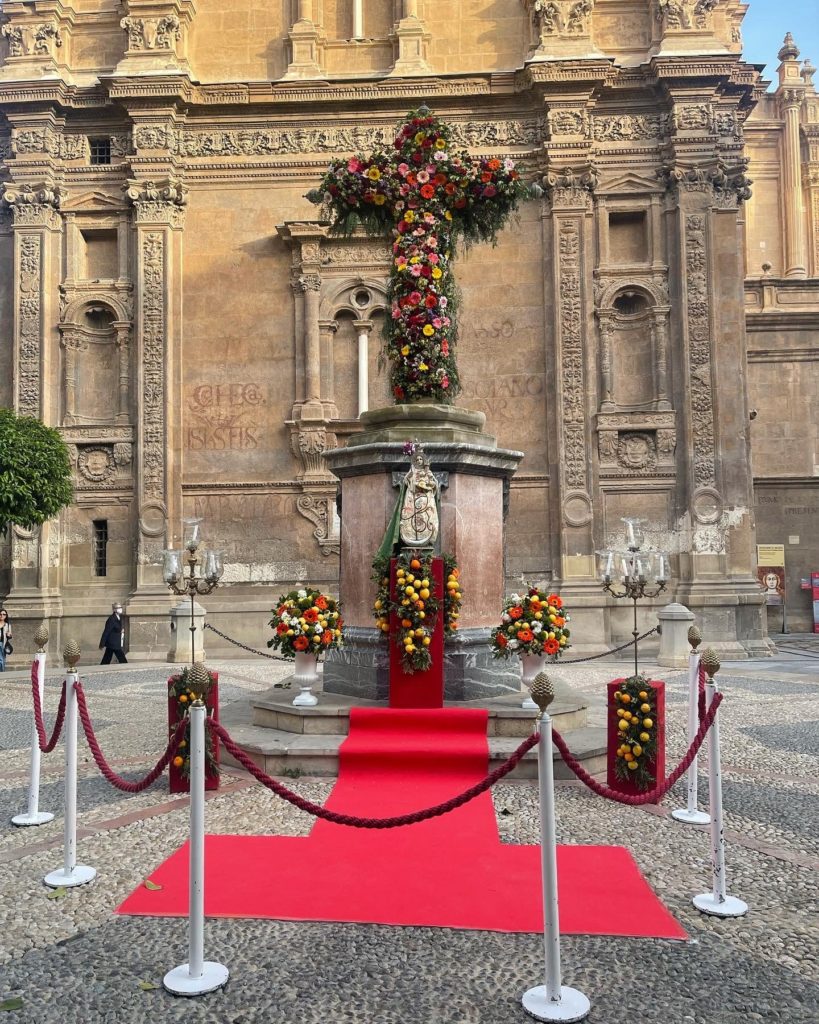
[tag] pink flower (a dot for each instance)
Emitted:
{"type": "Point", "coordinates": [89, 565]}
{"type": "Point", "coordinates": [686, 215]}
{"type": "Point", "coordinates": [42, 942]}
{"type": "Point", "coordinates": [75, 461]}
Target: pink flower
{"type": "Point", "coordinates": [433, 257]}
{"type": "Point", "coordinates": [445, 382]}
{"type": "Point", "coordinates": [396, 313]}
{"type": "Point", "coordinates": [443, 302]}
{"type": "Point", "coordinates": [423, 177]}
{"type": "Point", "coordinates": [415, 298]}
{"type": "Point", "coordinates": [508, 165]}
{"type": "Point", "coordinates": [415, 270]}
{"type": "Point", "coordinates": [353, 165]}
{"type": "Point", "coordinates": [418, 232]}
{"type": "Point", "coordinates": [403, 170]}
{"type": "Point", "coordinates": [429, 218]}
{"type": "Point", "coordinates": [437, 323]}
{"type": "Point", "coordinates": [404, 189]}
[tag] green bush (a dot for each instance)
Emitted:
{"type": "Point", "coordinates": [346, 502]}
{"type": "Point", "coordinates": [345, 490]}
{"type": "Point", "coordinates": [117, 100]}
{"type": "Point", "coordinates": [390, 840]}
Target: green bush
{"type": "Point", "coordinates": [35, 471]}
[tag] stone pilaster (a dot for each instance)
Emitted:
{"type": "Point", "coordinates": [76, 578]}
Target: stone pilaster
{"type": "Point", "coordinates": [37, 229]}
{"type": "Point", "coordinates": [791, 95]}
{"type": "Point", "coordinates": [305, 41]}
{"type": "Point", "coordinates": [410, 41]}
{"type": "Point", "coordinates": [158, 217]}
{"type": "Point", "coordinates": [157, 34]}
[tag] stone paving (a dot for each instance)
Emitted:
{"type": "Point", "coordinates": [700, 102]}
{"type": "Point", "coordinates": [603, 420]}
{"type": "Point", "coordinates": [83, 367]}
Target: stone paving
{"type": "Point", "coordinates": [73, 960]}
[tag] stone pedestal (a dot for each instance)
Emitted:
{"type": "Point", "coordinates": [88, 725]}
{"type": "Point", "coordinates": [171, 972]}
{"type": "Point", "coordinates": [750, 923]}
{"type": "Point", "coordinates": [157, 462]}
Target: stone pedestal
{"type": "Point", "coordinates": [180, 648]}
{"type": "Point", "coordinates": [675, 620]}
{"type": "Point", "coordinates": [473, 474]}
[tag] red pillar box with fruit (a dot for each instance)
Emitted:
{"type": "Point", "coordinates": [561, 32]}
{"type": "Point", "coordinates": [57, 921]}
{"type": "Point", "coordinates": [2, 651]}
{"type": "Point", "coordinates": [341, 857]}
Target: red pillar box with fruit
{"type": "Point", "coordinates": [416, 631]}
{"type": "Point", "coordinates": [183, 690]}
{"type": "Point", "coordinates": [636, 734]}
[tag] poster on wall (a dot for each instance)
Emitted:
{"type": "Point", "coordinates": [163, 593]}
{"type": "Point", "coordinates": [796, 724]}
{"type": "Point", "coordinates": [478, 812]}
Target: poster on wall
{"type": "Point", "coordinates": [770, 571]}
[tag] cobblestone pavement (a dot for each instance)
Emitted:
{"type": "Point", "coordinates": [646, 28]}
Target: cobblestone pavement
{"type": "Point", "coordinates": [73, 960]}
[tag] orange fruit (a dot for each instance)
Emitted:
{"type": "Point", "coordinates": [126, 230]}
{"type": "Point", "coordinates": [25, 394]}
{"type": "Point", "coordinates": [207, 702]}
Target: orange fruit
{"type": "Point", "coordinates": [415, 564]}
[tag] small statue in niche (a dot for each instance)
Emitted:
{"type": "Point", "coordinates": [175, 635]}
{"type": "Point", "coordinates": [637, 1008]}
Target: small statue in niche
{"type": "Point", "coordinates": [419, 508]}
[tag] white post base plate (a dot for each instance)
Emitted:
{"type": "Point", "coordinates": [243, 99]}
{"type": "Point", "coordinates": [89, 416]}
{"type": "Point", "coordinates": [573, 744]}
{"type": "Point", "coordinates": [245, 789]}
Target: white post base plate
{"type": "Point", "coordinates": [40, 818]}
{"type": "Point", "coordinates": [730, 907]}
{"type": "Point", "coordinates": [179, 981]}
{"type": "Point", "coordinates": [691, 817]}
{"type": "Point", "coordinates": [79, 876]}
{"type": "Point", "coordinates": [305, 700]}
{"type": "Point", "coordinates": [573, 1005]}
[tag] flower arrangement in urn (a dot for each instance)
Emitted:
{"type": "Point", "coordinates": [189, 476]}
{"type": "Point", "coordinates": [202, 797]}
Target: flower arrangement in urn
{"type": "Point", "coordinates": [306, 622]}
{"type": "Point", "coordinates": [532, 623]}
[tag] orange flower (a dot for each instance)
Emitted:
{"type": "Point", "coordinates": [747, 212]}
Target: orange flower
{"type": "Point", "coordinates": [516, 612]}
{"type": "Point", "coordinates": [555, 600]}
{"type": "Point", "coordinates": [427, 191]}
{"type": "Point", "coordinates": [560, 621]}
{"type": "Point", "coordinates": [311, 615]}
{"type": "Point", "coordinates": [501, 639]}
{"type": "Point", "coordinates": [321, 602]}
{"type": "Point", "coordinates": [301, 643]}
{"type": "Point", "coordinates": [526, 635]}
{"type": "Point", "coordinates": [493, 164]}
{"type": "Point", "coordinates": [551, 646]}
{"type": "Point", "coordinates": [327, 637]}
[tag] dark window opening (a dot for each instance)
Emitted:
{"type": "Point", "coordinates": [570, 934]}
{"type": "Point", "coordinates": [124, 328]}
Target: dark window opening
{"type": "Point", "coordinates": [100, 151]}
{"type": "Point", "coordinates": [100, 547]}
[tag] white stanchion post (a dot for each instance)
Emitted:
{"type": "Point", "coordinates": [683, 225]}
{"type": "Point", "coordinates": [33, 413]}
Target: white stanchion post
{"type": "Point", "coordinates": [717, 902]}
{"type": "Point", "coordinates": [71, 873]}
{"type": "Point", "coordinates": [552, 1001]}
{"type": "Point", "coordinates": [33, 814]}
{"type": "Point", "coordinates": [690, 814]}
{"type": "Point", "coordinates": [198, 976]}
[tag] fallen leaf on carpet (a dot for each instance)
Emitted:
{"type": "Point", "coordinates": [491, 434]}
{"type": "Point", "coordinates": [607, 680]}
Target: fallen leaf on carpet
{"type": "Point", "coordinates": [151, 885]}
{"type": "Point", "coordinates": [148, 986]}
{"type": "Point", "coordinates": [58, 893]}
{"type": "Point", "coordinates": [11, 1004]}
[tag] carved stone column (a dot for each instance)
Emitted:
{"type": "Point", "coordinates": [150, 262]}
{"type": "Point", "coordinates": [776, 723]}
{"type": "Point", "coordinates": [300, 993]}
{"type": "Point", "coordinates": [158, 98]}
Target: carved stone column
{"type": "Point", "coordinates": [791, 94]}
{"type": "Point", "coordinates": [37, 228]}
{"type": "Point", "coordinates": [123, 333]}
{"type": "Point", "coordinates": [327, 329]}
{"type": "Point", "coordinates": [158, 220]}
{"type": "Point", "coordinates": [304, 45]}
{"type": "Point", "coordinates": [363, 328]}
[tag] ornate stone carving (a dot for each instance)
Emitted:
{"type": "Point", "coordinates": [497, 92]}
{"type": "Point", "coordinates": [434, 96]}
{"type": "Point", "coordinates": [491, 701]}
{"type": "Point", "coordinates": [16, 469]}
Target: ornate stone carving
{"type": "Point", "coordinates": [570, 189]}
{"type": "Point", "coordinates": [30, 325]}
{"type": "Point", "coordinates": [726, 185]}
{"type": "Point", "coordinates": [569, 122]}
{"type": "Point", "coordinates": [152, 33]}
{"type": "Point", "coordinates": [574, 462]}
{"type": "Point", "coordinates": [637, 452]}
{"type": "Point", "coordinates": [38, 40]}
{"type": "Point", "coordinates": [96, 464]}
{"type": "Point", "coordinates": [697, 117]}
{"type": "Point", "coordinates": [123, 453]}
{"type": "Point", "coordinates": [32, 206]}
{"type": "Point", "coordinates": [563, 17]}
{"type": "Point", "coordinates": [353, 255]}
{"type": "Point", "coordinates": [320, 510]}
{"type": "Point", "coordinates": [153, 136]}
{"type": "Point", "coordinates": [153, 365]}
{"type": "Point", "coordinates": [627, 127]}
{"type": "Point", "coordinates": [699, 342]}
{"type": "Point", "coordinates": [309, 283]}
{"type": "Point", "coordinates": [686, 14]}
{"type": "Point", "coordinates": [309, 445]}
{"type": "Point", "coordinates": [153, 202]}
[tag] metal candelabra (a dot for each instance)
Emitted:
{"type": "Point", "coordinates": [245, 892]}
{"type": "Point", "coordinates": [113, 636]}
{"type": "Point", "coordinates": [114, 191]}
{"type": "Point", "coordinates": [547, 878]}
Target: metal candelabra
{"type": "Point", "coordinates": [193, 584]}
{"type": "Point", "coordinates": [640, 574]}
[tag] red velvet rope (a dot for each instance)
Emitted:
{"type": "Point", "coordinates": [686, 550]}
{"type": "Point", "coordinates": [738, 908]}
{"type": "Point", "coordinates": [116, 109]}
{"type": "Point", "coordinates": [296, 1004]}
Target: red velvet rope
{"type": "Point", "coordinates": [653, 796]}
{"type": "Point", "coordinates": [106, 769]}
{"type": "Point", "coordinates": [355, 822]}
{"type": "Point", "coordinates": [48, 746]}
{"type": "Point", "coordinates": [701, 693]}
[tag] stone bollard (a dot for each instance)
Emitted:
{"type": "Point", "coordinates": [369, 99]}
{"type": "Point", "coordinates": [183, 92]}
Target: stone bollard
{"type": "Point", "coordinates": [675, 620]}
{"type": "Point", "coordinates": [180, 648]}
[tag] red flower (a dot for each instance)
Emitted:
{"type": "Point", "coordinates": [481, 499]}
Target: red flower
{"type": "Point", "coordinates": [321, 602]}
{"type": "Point", "coordinates": [445, 350]}
{"type": "Point", "coordinates": [501, 640]}
{"type": "Point", "coordinates": [486, 177]}
{"type": "Point", "coordinates": [301, 643]}
{"type": "Point", "coordinates": [398, 391]}
{"type": "Point", "coordinates": [449, 188]}
{"type": "Point", "coordinates": [431, 301]}
{"type": "Point", "coordinates": [281, 629]}
{"type": "Point", "coordinates": [439, 179]}
{"type": "Point", "coordinates": [327, 637]}
{"type": "Point", "coordinates": [551, 646]}
{"type": "Point", "coordinates": [515, 612]}
{"type": "Point", "coordinates": [526, 635]}
{"type": "Point", "coordinates": [311, 615]}
{"type": "Point", "coordinates": [427, 191]}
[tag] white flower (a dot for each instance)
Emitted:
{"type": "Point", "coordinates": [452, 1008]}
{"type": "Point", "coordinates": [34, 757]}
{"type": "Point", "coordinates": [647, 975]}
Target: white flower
{"type": "Point", "coordinates": [302, 593]}
{"type": "Point", "coordinates": [514, 644]}
{"type": "Point", "coordinates": [537, 627]}
{"type": "Point", "coordinates": [318, 628]}
{"type": "Point", "coordinates": [515, 598]}
{"type": "Point", "coordinates": [505, 618]}
{"type": "Point", "coordinates": [439, 154]}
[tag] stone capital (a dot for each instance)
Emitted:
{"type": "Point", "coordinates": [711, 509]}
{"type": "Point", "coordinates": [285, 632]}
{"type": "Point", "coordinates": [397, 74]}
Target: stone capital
{"type": "Point", "coordinates": [157, 202]}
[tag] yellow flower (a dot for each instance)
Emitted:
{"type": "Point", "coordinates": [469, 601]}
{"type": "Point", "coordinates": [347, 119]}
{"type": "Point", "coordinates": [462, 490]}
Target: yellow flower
{"type": "Point", "coordinates": [447, 215]}
{"type": "Point", "coordinates": [405, 351]}
{"type": "Point", "coordinates": [437, 272]}
{"type": "Point", "coordinates": [380, 199]}
{"type": "Point", "coordinates": [409, 216]}
{"type": "Point", "coordinates": [429, 330]}
{"type": "Point", "coordinates": [419, 138]}
{"type": "Point", "coordinates": [423, 366]}
{"type": "Point", "coordinates": [373, 174]}
{"type": "Point", "coordinates": [415, 259]}
{"type": "Point", "coordinates": [440, 144]}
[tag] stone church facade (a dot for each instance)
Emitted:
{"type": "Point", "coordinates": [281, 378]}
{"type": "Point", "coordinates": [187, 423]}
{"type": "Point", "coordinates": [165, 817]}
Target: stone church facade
{"type": "Point", "coordinates": [170, 300]}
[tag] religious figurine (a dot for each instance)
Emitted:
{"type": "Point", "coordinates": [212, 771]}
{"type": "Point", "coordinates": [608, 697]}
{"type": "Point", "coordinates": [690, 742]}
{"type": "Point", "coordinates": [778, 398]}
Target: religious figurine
{"type": "Point", "coordinates": [419, 508]}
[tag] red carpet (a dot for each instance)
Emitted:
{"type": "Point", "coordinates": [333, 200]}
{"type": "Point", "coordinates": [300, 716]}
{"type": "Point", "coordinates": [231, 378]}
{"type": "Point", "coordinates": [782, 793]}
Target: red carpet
{"type": "Point", "coordinates": [451, 872]}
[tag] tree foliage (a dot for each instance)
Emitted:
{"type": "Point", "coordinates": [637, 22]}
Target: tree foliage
{"type": "Point", "coordinates": [35, 471]}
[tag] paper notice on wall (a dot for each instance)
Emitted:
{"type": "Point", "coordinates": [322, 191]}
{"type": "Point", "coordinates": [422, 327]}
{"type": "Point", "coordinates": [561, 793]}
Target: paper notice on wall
{"type": "Point", "coordinates": [770, 554]}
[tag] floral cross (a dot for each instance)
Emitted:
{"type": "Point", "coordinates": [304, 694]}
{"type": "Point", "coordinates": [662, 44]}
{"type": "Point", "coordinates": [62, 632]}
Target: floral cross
{"type": "Point", "coordinates": [429, 196]}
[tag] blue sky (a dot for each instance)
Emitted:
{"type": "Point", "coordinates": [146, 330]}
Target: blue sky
{"type": "Point", "coordinates": [765, 26]}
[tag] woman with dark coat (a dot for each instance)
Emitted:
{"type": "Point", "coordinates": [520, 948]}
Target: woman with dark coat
{"type": "Point", "coordinates": [113, 637]}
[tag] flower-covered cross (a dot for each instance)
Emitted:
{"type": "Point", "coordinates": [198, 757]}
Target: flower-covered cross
{"type": "Point", "coordinates": [429, 196]}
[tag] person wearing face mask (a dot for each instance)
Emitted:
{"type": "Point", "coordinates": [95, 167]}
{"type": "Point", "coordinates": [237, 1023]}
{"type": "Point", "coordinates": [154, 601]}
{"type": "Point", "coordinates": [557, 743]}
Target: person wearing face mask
{"type": "Point", "coordinates": [113, 637]}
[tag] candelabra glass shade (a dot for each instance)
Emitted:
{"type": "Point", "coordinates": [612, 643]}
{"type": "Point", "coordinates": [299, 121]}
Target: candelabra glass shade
{"type": "Point", "coordinates": [192, 536]}
{"type": "Point", "coordinates": [634, 532]}
{"type": "Point", "coordinates": [171, 566]}
{"type": "Point", "coordinates": [606, 563]}
{"type": "Point", "coordinates": [214, 566]}
{"type": "Point", "coordinates": [663, 569]}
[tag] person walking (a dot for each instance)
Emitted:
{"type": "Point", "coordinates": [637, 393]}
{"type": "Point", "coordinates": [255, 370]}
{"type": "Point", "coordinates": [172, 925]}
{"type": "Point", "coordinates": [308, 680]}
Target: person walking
{"type": "Point", "coordinates": [113, 636]}
{"type": "Point", "coordinates": [5, 638]}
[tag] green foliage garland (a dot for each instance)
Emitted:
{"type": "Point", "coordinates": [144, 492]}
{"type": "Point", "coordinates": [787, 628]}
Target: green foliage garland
{"type": "Point", "coordinates": [429, 196]}
{"type": "Point", "coordinates": [35, 471]}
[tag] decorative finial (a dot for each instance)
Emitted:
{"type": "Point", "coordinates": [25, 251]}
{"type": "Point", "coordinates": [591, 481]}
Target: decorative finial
{"type": "Point", "coordinates": [710, 662]}
{"type": "Point", "coordinates": [198, 679]}
{"type": "Point", "coordinates": [424, 110]}
{"type": "Point", "coordinates": [789, 51]}
{"type": "Point", "coordinates": [71, 653]}
{"type": "Point", "coordinates": [543, 692]}
{"type": "Point", "coordinates": [41, 637]}
{"type": "Point", "coordinates": [694, 636]}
